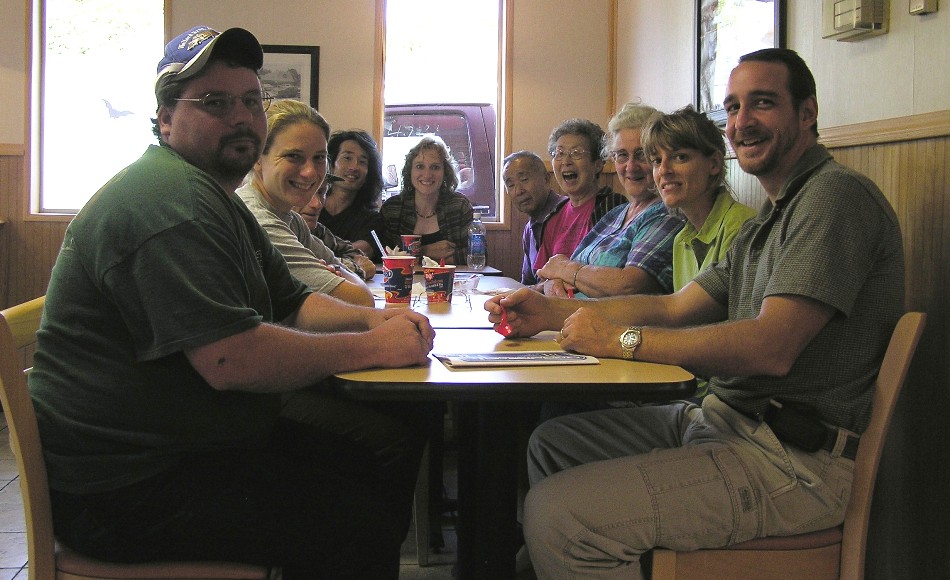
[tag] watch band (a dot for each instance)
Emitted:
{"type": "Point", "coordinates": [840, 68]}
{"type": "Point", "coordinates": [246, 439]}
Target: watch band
{"type": "Point", "coordinates": [630, 339]}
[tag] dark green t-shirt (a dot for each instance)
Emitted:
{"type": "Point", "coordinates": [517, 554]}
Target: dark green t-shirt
{"type": "Point", "coordinates": [160, 260]}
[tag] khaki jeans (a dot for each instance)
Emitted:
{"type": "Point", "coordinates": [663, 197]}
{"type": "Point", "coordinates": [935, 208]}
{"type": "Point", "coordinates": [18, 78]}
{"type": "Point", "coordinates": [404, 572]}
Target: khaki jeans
{"type": "Point", "coordinates": [609, 485]}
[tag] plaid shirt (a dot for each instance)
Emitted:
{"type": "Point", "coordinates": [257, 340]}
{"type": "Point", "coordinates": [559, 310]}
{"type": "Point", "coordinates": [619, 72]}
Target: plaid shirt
{"type": "Point", "coordinates": [646, 243]}
{"type": "Point", "coordinates": [454, 212]}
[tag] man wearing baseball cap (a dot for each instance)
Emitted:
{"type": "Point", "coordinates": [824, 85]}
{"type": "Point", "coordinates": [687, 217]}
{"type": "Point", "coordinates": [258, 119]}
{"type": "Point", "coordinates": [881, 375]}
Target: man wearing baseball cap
{"type": "Point", "coordinates": [171, 328]}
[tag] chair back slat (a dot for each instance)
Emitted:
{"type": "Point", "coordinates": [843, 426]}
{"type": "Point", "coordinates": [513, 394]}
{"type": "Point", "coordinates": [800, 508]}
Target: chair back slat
{"type": "Point", "coordinates": [23, 321]}
{"type": "Point", "coordinates": [18, 326]}
{"type": "Point", "coordinates": [887, 388]}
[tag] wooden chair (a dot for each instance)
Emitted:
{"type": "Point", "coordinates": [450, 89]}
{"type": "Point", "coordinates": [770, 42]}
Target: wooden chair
{"type": "Point", "coordinates": [47, 560]}
{"type": "Point", "coordinates": [834, 553]}
{"type": "Point", "coordinates": [420, 507]}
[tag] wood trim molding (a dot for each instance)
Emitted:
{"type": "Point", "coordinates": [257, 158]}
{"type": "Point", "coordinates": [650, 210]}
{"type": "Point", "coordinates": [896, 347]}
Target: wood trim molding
{"type": "Point", "coordinates": [612, 17]}
{"type": "Point", "coordinates": [505, 110]}
{"type": "Point", "coordinates": [923, 126]}
{"type": "Point", "coordinates": [379, 67]}
{"type": "Point", "coordinates": [167, 9]}
{"type": "Point", "coordinates": [505, 70]}
{"type": "Point", "coordinates": [12, 149]}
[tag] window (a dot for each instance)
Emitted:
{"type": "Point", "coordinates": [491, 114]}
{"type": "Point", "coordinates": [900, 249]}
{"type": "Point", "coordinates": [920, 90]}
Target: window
{"type": "Point", "coordinates": [93, 73]}
{"type": "Point", "coordinates": [441, 78]}
{"type": "Point", "coordinates": [467, 129]}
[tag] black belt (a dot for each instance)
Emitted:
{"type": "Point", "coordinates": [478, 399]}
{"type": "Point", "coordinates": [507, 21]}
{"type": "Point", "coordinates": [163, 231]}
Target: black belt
{"type": "Point", "coordinates": [850, 450]}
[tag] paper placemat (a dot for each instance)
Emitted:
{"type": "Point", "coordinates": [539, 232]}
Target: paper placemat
{"type": "Point", "coordinates": [516, 359]}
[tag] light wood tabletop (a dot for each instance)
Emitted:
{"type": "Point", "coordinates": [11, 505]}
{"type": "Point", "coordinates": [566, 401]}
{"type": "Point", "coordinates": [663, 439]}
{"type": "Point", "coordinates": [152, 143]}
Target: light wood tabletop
{"type": "Point", "coordinates": [609, 379]}
{"type": "Point", "coordinates": [492, 408]}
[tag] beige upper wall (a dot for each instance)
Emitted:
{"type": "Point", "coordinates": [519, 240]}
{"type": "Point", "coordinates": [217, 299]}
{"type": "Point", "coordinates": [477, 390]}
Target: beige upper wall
{"type": "Point", "coordinates": [560, 55]}
{"type": "Point", "coordinates": [343, 29]}
{"type": "Point", "coordinates": [12, 72]}
{"type": "Point", "coordinates": [655, 56]}
{"type": "Point", "coordinates": [560, 70]}
{"type": "Point", "coordinates": [894, 75]}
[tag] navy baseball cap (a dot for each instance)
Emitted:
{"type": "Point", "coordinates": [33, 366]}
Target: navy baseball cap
{"type": "Point", "coordinates": [188, 53]}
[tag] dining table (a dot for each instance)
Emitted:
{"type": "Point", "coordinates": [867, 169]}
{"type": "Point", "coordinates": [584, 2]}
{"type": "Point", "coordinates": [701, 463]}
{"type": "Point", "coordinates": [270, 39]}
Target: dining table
{"type": "Point", "coordinates": [491, 403]}
{"type": "Point", "coordinates": [465, 308]}
{"type": "Point", "coordinates": [462, 269]}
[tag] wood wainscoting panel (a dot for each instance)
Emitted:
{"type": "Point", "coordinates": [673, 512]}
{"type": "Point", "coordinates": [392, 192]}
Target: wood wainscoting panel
{"type": "Point", "coordinates": [28, 247]}
{"type": "Point", "coordinates": [909, 523]}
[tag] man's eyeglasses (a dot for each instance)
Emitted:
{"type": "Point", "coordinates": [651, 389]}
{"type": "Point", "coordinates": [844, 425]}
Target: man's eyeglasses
{"type": "Point", "coordinates": [621, 156]}
{"type": "Point", "coordinates": [576, 153]}
{"type": "Point", "coordinates": [220, 104]}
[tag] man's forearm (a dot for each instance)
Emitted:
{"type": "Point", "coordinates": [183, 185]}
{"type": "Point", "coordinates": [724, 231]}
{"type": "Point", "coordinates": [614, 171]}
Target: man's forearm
{"type": "Point", "coordinates": [766, 345]}
{"type": "Point", "coordinates": [639, 309]}
{"type": "Point", "coordinates": [691, 306]}
{"type": "Point", "coordinates": [323, 313]}
{"type": "Point", "coordinates": [271, 358]}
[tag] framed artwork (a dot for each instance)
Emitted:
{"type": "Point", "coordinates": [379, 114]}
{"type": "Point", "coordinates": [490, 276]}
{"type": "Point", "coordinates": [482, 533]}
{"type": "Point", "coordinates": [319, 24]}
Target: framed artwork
{"type": "Point", "coordinates": [725, 30]}
{"type": "Point", "coordinates": [292, 72]}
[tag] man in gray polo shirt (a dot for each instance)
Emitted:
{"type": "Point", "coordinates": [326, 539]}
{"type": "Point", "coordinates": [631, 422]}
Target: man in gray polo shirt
{"type": "Point", "coordinates": [791, 327]}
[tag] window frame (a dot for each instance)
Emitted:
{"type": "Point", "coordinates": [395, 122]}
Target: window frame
{"type": "Point", "coordinates": [503, 98]}
{"type": "Point", "coordinates": [32, 150]}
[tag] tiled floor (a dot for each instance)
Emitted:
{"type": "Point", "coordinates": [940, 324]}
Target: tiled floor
{"type": "Point", "coordinates": [13, 530]}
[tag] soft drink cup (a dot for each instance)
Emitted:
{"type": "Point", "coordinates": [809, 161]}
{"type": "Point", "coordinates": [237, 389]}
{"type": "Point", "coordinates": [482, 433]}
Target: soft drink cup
{"type": "Point", "coordinates": [439, 282]}
{"type": "Point", "coordinates": [412, 245]}
{"type": "Point", "coordinates": [397, 278]}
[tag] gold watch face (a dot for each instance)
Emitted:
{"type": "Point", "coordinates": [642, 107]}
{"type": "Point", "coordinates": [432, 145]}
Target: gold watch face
{"type": "Point", "coordinates": [630, 338]}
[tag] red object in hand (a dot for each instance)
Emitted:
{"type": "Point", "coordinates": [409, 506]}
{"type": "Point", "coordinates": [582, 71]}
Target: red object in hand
{"type": "Point", "coordinates": [503, 327]}
{"type": "Point", "coordinates": [570, 292]}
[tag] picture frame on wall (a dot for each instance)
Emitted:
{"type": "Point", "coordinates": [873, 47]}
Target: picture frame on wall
{"type": "Point", "coordinates": [292, 72]}
{"type": "Point", "coordinates": [725, 30]}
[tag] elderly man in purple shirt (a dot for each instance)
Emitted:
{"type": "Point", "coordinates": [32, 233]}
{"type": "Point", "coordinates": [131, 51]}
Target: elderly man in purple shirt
{"type": "Point", "coordinates": [529, 184]}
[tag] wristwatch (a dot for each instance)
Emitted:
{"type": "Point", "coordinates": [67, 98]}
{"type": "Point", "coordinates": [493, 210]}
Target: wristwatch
{"type": "Point", "coordinates": [629, 341]}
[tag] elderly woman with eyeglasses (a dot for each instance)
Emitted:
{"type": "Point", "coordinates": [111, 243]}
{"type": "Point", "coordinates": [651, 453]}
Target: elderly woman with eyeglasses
{"type": "Point", "coordinates": [577, 148]}
{"type": "Point", "coordinates": [630, 250]}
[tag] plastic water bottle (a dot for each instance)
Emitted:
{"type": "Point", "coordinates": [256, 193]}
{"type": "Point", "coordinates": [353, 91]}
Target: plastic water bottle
{"type": "Point", "coordinates": [477, 247]}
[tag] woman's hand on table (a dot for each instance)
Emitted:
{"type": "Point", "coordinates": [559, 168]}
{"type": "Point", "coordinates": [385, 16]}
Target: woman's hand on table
{"type": "Point", "coordinates": [439, 250]}
{"type": "Point", "coordinates": [558, 267]}
{"type": "Point", "coordinates": [589, 333]}
{"type": "Point", "coordinates": [420, 320]}
{"type": "Point", "coordinates": [557, 287]}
